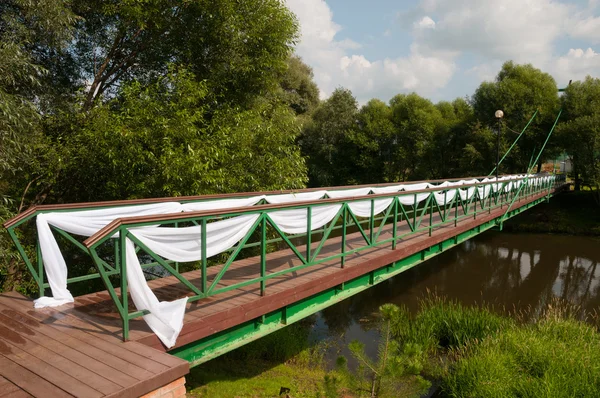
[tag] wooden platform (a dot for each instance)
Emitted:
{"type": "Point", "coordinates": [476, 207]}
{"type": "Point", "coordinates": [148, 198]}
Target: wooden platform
{"type": "Point", "coordinates": [76, 349]}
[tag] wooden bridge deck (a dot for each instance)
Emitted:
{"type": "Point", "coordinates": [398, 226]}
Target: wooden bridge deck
{"type": "Point", "coordinates": [76, 349]}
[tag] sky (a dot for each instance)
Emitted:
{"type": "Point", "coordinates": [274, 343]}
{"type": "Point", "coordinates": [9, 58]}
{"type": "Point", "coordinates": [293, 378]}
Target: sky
{"type": "Point", "coordinates": [442, 49]}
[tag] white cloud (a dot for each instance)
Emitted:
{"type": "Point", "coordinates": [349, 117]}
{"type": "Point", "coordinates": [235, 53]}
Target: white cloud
{"type": "Point", "coordinates": [521, 30]}
{"type": "Point", "coordinates": [334, 64]}
{"type": "Point", "coordinates": [586, 29]}
{"type": "Point", "coordinates": [576, 65]}
{"type": "Point", "coordinates": [425, 23]}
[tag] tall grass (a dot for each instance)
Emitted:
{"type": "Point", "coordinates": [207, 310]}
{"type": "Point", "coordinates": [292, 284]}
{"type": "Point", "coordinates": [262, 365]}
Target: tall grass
{"type": "Point", "coordinates": [556, 355]}
{"type": "Point", "coordinates": [445, 324]}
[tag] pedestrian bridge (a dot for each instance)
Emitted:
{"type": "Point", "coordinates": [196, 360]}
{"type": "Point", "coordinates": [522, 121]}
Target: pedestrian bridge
{"type": "Point", "coordinates": [187, 279]}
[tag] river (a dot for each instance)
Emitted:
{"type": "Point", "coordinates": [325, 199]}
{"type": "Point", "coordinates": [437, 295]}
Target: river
{"type": "Point", "coordinates": [513, 271]}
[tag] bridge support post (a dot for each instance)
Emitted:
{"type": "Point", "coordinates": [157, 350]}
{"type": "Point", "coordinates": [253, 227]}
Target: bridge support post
{"type": "Point", "coordinates": [344, 221]}
{"type": "Point", "coordinates": [263, 255]}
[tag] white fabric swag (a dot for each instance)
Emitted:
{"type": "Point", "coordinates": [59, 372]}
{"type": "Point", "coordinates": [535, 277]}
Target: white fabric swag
{"type": "Point", "coordinates": [183, 244]}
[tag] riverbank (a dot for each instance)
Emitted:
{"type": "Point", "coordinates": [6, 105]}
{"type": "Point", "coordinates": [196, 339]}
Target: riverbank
{"type": "Point", "coordinates": [461, 350]}
{"type": "Point", "coordinates": [573, 213]}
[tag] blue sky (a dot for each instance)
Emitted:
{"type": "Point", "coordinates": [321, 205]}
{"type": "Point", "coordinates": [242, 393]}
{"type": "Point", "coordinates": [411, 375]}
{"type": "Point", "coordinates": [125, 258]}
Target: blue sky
{"type": "Point", "coordinates": [442, 49]}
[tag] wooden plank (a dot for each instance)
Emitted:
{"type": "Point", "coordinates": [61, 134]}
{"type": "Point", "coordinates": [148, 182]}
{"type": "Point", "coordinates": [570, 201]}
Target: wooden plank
{"type": "Point", "coordinates": [29, 381]}
{"type": "Point", "coordinates": [92, 345]}
{"type": "Point", "coordinates": [157, 356]}
{"type": "Point", "coordinates": [7, 388]}
{"type": "Point", "coordinates": [44, 369]}
{"type": "Point", "coordinates": [58, 358]}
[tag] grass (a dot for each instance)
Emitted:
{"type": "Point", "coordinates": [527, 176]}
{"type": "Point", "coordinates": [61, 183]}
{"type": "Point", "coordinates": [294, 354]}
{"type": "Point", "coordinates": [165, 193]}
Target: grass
{"type": "Point", "coordinates": [468, 351]}
{"type": "Point", "coordinates": [574, 213]}
{"type": "Point", "coordinates": [231, 378]}
{"type": "Point", "coordinates": [556, 356]}
{"type": "Point", "coordinates": [285, 358]}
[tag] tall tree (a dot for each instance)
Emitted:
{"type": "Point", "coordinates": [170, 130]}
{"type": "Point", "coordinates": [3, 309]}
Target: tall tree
{"type": "Point", "coordinates": [27, 28]}
{"type": "Point", "coordinates": [371, 144]}
{"type": "Point", "coordinates": [580, 132]}
{"type": "Point", "coordinates": [155, 140]}
{"type": "Point", "coordinates": [298, 88]}
{"type": "Point", "coordinates": [519, 90]}
{"type": "Point", "coordinates": [239, 48]}
{"type": "Point", "coordinates": [415, 119]}
{"type": "Point", "coordinates": [325, 139]}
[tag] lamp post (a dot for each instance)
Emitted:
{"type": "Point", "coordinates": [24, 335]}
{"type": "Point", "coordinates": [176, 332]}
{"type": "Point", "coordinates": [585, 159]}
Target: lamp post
{"type": "Point", "coordinates": [499, 115]}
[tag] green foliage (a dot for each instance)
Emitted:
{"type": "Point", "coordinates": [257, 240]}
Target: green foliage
{"type": "Point", "coordinates": [298, 90]}
{"type": "Point", "coordinates": [238, 48]}
{"type": "Point", "coordinates": [395, 371]}
{"type": "Point", "coordinates": [580, 132]}
{"type": "Point", "coordinates": [573, 213]}
{"type": "Point", "coordinates": [519, 90]}
{"type": "Point", "coordinates": [556, 357]}
{"type": "Point", "coordinates": [415, 120]}
{"type": "Point", "coordinates": [25, 25]}
{"type": "Point", "coordinates": [372, 141]}
{"type": "Point", "coordinates": [157, 141]}
{"type": "Point", "coordinates": [442, 323]}
{"type": "Point", "coordinates": [325, 139]}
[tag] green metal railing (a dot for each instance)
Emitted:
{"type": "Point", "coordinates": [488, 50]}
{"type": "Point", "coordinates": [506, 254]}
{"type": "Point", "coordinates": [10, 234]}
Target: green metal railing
{"type": "Point", "coordinates": [400, 219]}
{"type": "Point", "coordinates": [36, 267]}
{"type": "Point", "coordinates": [419, 217]}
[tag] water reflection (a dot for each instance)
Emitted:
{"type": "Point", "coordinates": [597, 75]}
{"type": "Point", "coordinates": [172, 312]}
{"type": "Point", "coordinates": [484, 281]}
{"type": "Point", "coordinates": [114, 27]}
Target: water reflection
{"type": "Point", "coordinates": [510, 270]}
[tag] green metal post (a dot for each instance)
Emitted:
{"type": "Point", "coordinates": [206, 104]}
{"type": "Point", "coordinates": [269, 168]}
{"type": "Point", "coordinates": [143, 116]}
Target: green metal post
{"type": "Point", "coordinates": [308, 231]}
{"type": "Point", "coordinates": [40, 264]}
{"type": "Point", "coordinates": [263, 255]}
{"type": "Point", "coordinates": [344, 217]}
{"type": "Point", "coordinates": [123, 274]}
{"type": "Point", "coordinates": [203, 256]}
{"type": "Point", "coordinates": [431, 214]}
{"type": "Point", "coordinates": [177, 262]}
{"type": "Point", "coordinates": [395, 226]}
{"type": "Point", "coordinates": [372, 221]}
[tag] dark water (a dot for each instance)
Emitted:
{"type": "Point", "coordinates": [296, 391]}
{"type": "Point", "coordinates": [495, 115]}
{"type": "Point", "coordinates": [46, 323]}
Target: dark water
{"type": "Point", "coordinates": [510, 270]}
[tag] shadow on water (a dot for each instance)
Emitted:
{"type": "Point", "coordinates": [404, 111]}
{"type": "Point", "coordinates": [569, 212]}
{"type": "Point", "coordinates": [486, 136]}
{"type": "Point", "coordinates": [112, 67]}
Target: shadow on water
{"type": "Point", "coordinates": [511, 271]}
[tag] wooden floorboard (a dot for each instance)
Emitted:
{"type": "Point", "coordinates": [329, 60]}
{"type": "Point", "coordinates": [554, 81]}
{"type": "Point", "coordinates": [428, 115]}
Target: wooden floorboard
{"type": "Point", "coordinates": [47, 353]}
{"type": "Point", "coordinates": [77, 349]}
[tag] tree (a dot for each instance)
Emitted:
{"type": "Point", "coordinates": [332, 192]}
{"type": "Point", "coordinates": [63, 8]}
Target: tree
{"type": "Point", "coordinates": [383, 377]}
{"type": "Point", "coordinates": [26, 27]}
{"type": "Point", "coordinates": [415, 120]}
{"type": "Point", "coordinates": [23, 26]}
{"type": "Point", "coordinates": [370, 143]}
{"type": "Point", "coordinates": [155, 141]}
{"type": "Point", "coordinates": [298, 88]}
{"type": "Point", "coordinates": [580, 130]}
{"type": "Point", "coordinates": [325, 139]}
{"type": "Point", "coordinates": [519, 90]}
{"type": "Point", "coordinates": [238, 48]}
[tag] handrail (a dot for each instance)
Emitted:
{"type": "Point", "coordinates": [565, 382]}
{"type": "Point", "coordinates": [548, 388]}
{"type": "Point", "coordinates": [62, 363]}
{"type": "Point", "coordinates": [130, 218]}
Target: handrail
{"type": "Point", "coordinates": [111, 228]}
{"type": "Point", "coordinates": [30, 212]}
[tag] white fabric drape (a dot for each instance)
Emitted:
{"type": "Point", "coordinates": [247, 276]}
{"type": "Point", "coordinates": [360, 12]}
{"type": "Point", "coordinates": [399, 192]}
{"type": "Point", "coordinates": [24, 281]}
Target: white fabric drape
{"type": "Point", "coordinates": [294, 221]}
{"type": "Point", "coordinates": [183, 244]}
{"type": "Point", "coordinates": [84, 223]}
{"type": "Point", "coordinates": [177, 244]}
{"type": "Point", "coordinates": [221, 204]}
{"type": "Point", "coordinates": [295, 197]}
